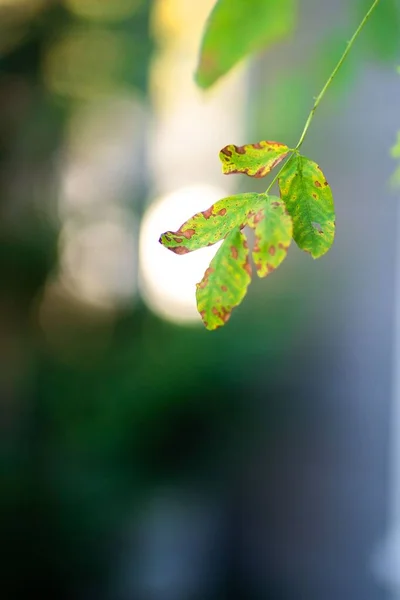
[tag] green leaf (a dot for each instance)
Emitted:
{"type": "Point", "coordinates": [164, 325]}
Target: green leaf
{"type": "Point", "coordinates": [309, 201]}
{"type": "Point", "coordinates": [273, 232]}
{"type": "Point", "coordinates": [212, 225]}
{"type": "Point", "coordinates": [237, 28]}
{"type": "Point", "coordinates": [255, 160]}
{"type": "Point", "coordinates": [225, 282]}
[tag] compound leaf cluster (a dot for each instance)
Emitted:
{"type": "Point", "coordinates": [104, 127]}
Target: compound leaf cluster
{"type": "Point", "coordinates": [304, 212]}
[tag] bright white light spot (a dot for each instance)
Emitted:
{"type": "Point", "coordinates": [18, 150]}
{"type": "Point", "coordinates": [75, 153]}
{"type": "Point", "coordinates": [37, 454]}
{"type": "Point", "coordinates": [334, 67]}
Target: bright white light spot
{"type": "Point", "coordinates": [98, 261]}
{"type": "Point", "coordinates": [102, 160]}
{"type": "Point", "coordinates": [168, 281]}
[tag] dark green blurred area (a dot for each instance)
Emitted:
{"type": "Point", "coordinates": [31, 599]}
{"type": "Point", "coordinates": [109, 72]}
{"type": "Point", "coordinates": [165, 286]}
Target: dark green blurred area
{"type": "Point", "coordinates": [95, 416]}
{"type": "Point", "coordinates": [86, 434]}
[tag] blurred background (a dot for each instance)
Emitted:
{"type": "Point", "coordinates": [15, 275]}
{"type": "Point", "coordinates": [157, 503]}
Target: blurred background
{"type": "Point", "coordinates": [143, 458]}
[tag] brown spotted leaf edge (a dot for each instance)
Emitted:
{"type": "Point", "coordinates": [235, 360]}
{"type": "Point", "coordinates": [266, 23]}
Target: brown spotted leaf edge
{"type": "Point", "coordinates": [225, 282]}
{"type": "Point", "coordinates": [214, 224]}
{"type": "Point", "coordinates": [273, 235]}
{"type": "Point", "coordinates": [254, 160]}
{"type": "Point", "coordinates": [309, 201]}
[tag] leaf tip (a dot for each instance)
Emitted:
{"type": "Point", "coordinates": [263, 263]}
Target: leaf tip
{"type": "Point", "coordinates": [207, 72]}
{"type": "Point", "coordinates": [200, 80]}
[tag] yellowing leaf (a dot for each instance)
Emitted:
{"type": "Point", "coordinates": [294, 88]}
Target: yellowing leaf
{"type": "Point", "coordinates": [308, 199]}
{"type": "Point", "coordinates": [225, 282]}
{"type": "Point", "coordinates": [212, 225]}
{"type": "Point", "coordinates": [237, 28]}
{"type": "Point", "coordinates": [273, 232]}
{"type": "Point", "coordinates": [255, 160]}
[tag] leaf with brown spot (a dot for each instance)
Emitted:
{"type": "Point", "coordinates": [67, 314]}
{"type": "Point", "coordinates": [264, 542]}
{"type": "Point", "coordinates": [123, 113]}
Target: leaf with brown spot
{"type": "Point", "coordinates": [225, 282]}
{"type": "Point", "coordinates": [214, 224]}
{"type": "Point", "coordinates": [237, 28]}
{"type": "Point", "coordinates": [273, 235]}
{"type": "Point", "coordinates": [255, 160]}
{"type": "Point", "coordinates": [309, 201]}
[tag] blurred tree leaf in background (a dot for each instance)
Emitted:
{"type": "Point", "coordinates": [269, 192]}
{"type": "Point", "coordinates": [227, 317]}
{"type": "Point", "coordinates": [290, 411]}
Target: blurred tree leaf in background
{"type": "Point", "coordinates": [381, 39]}
{"type": "Point", "coordinates": [236, 29]}
{"type": "Point", "coordinates": [100, 52]}
{"type": "Point", "coordinates": [50, 58]}
{"type": "Point", "coordinates": [325, 58]}
{"type": "Point", "coordinates": [396, 154]}
{"type": "Point", "coordinates": [104, 12]}
{"type": "Point", "coordinates": [17, 20]}
{"type": "Point", "coordinates": [280, 110]}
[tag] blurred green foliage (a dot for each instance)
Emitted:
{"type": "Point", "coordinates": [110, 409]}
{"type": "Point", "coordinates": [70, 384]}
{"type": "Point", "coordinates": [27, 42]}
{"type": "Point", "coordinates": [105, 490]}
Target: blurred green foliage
{"type": "Point", "coordinates": [382, 33]}
{"type": "Point", "coordinates": [396, 154]}
{"type": "Point", "coordinates": [236, 29]}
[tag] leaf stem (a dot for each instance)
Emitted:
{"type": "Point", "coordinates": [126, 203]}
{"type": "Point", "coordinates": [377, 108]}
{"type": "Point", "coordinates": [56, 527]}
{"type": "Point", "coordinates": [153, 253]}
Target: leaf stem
{"type": "Point", "coordinates": [318, 99]}
{"type": "Point", "coordinates": [335, 72]}
{"type": "Point", "coordinates": [275, 179]}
